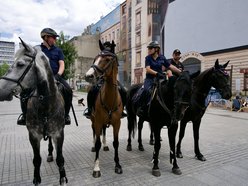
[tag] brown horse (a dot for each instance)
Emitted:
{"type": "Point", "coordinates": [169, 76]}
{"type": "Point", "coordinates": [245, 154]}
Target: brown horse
{"type": "Point", "coordinates": [108, 105]}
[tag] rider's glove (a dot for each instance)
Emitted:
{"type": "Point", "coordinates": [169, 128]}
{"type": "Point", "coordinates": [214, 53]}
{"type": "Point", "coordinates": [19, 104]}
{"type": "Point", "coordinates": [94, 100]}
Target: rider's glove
{"type": "Point", "coordinates": [57, 77]}
{"type": "Point", "coordinates": [160, 75]}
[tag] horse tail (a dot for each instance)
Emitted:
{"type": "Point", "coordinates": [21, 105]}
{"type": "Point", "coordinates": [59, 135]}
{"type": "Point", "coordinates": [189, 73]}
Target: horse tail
{"type": "Point", "coordinates": [131, 118]}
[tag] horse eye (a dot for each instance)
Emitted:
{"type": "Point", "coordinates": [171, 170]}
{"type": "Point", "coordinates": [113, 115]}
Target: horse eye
{"type": "Point", "coordinates": [20, 63]}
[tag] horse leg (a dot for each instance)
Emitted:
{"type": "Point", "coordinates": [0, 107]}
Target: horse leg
{"type": "Point", "coordinates": [157, 146]}
{"type": "Point", "coordinates": [116, 129]}
{"type": "Point", "coordinates": [96, 171]}
{"type": "Point", "coordinates": [181, 135]}
{"type": "Point", "coordinates": [105, 147]}
{"type": "Point", "coordinates": [130, 125]}
{"type": "Point", "coordinates": [198, 154]}
{"type": "Point", "coordinates": [50, 150]}
{"type": "Point", "coordinates": [140, 127]}
{"type": "Point", "coordinates": [59, 140]}
{"type": "Point", "coordinates": [94, 140]}
{"type": "Point", "coordinates": [172, 131]}
{"type": "Point", "coordinates": [151, 142]}
{"type": "Point", "coordinates": [35, 142]}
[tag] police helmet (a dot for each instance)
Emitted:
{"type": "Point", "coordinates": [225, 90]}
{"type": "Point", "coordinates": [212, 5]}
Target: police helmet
{"type": "Point", "coordinates": [153, 44]}
{"type": "Point", "coordinates": [48, 32]}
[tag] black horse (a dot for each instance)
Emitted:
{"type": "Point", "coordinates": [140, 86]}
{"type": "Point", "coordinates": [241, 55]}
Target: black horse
{"type": "Point", "coordinates": [170, 100]}
{"type": "Point", "coordinates": [214, 77]}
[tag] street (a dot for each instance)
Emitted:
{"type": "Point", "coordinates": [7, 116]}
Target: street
{"type": "Point", "coordinates": [223, 141]}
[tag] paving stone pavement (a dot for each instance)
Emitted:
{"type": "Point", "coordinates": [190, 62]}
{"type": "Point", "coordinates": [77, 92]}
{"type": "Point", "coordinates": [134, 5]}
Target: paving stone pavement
{"type": "Point", "coordinates": [223, 141]}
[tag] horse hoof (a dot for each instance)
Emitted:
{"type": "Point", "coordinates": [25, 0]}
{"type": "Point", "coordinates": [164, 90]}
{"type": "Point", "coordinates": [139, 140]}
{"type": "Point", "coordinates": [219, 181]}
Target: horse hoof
{"type": "Point", "coordinates": [93, 149]}
{"type": "Point", "coordinates": [36, 181]}
{"type": "Point", "coordinates": [141, 148]}
{"type": "Point", "coordinates": [176, 171]}
{"type": "Point", "coordinates": [105, 148]}
{"type": "Point", "coordinates": [179, 155]}
{"type": "Point", "coordinates": [151, 142]}
{"type": "Point", "coordinates": [63, 181]}
{"type": "Point", "coordinates": [49, 158]}
{"type": "Point", "coordinates": [118, 170]}
{"type": "Point", "coordinates": [201, 157]}
{"type": "Point", "coordinates": [96, 174]}
{"type": "Point", "coordinates": [129, 148]}
{"type": "Point", "coordinates": [156, 172]}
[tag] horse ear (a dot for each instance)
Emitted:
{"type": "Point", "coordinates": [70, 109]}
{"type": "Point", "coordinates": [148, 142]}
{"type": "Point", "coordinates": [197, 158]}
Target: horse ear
{"type": "Point", "coordinates": [101, 45]}
{"type": "Point", "coordinates": [25, 45]}
{"type": "Point", "coordinates": [217, 63]}
{"type": "Point", "coordinates": [225, 65]}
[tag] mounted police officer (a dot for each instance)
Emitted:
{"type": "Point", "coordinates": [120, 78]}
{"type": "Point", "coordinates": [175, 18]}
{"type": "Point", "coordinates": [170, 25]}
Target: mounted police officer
{"type": "Point", "coordinates": [154, 63]}
{"type": "Point", "coordinates": [175, 60]}
{"type": "Point", "coordinates": [92, 94]}
{"type": "Point", "coordinates": [56, 59]}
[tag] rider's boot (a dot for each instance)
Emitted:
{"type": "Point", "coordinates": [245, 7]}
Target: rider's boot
{"type": "Point", "coordinates": [21, 119]}
{"type": "Point", "coordinates": [87, 113]}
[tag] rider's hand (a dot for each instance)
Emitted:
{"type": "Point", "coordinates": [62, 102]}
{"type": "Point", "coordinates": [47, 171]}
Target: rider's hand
{"type": "Point", "coordinates": [160, 75]}
{"type": "Point", "coordinates": [57, 77]}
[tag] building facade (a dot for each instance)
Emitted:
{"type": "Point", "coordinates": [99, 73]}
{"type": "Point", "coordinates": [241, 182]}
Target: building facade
{"type": "Point", "coordinates": [87, 48]}
{"type": "Point", "coordinates": [207, 30]}
{"type": "Point", "coordinates": [7, 52]}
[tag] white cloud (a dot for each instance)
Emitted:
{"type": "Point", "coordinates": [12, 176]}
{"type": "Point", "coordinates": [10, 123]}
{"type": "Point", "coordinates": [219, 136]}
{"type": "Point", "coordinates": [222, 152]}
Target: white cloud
{"type": "Point", "coordinates": [26, 18]}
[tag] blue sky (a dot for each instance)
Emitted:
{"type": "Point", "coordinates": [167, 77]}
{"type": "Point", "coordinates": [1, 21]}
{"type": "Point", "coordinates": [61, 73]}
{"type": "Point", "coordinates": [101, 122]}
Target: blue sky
{"type": "Point", "coordinates": [26, 18]}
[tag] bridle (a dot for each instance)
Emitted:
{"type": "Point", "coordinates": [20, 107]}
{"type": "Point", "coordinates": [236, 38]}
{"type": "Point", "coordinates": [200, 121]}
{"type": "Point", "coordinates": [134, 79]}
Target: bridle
{"type": "Point", "coordinates": [20, 79]}
{"type": "Point", "coordinates": [104, 54]}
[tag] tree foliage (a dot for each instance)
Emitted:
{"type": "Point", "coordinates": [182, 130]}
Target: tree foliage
{"type": "Point", "coordinates": [70, 55]}
{"type": "Point", "coordinates": [3, 68]}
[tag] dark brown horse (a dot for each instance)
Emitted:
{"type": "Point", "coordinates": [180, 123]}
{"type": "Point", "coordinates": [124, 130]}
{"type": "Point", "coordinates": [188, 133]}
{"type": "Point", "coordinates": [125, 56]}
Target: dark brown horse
{"type": "Point", "coordinates": [45, 108]}
{"type": "Point", "coordinates": [108, 106]}
{"type": "Point", "coordinates": [215, 77]}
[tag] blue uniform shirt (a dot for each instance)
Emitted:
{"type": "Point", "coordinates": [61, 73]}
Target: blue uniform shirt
{"type": "Point", "coordinates": [54, 54]}
{"type": "Point", "coordinates": [156, 64]}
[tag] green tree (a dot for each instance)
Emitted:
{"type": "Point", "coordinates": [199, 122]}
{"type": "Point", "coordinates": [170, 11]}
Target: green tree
{"type": "Point", "coordinates": [3, 68]}
{"type": "Point", "coordinates": [70, 55]}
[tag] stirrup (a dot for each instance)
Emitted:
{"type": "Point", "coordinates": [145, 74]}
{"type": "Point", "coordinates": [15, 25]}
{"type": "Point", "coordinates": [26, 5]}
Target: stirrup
{"type": "Point", "coordinates": [87, 113]}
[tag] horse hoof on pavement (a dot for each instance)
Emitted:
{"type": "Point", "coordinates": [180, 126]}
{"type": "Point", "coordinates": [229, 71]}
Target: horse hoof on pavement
{"type": "Point", "coordinates": [106, 148]}
{"type": "Point", "coordinates": [200, 157]}
{"type": "Point", "coordinates": [176, 171]}
{"type": "Point", "coordinates": [49, 158]}
{"type": "Point", "coordinates": [96, 174]}
{"type": "Point", "coordinates": [156, 172]}
{"type": "Point", "coordinates": [36, 181]}
{"type": "Point", "coordinates": [93, 149]}
{"type": "Point", "coordinates": [118, 170]}
{"type": "Point", "coordinates": [141, 148]}
{"type": "Point", "coordinates": [129, 148]}
{"type": "Point", "coordinates": [63, 181]}
{"type": "Point", "coordinates": [151, 142]}
{"type": "Point", "coordinates": [179, 155]}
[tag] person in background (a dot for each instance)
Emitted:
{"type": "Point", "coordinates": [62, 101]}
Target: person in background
{"type": "Point", "coordinates": [176, 56]}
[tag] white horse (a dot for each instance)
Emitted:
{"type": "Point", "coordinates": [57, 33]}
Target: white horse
{"type": "Point", "coordinates": [45, 108]}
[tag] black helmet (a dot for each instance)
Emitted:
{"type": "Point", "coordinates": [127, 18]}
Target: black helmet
{"type": "Point", "coordinates": [153, 44]}
{"type": "Point", "coordinates": [48, 32]}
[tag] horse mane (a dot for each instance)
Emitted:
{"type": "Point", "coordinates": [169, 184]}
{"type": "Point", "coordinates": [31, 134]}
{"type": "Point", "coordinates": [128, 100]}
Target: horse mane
{"type": "Point", "coordinates": [202, 75]}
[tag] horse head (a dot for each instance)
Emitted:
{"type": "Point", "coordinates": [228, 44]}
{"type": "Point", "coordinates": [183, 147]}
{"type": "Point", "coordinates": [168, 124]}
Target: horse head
{"type": "Point", "coordinates": [182, 93]}
{"type": "Point", "coordinates": [220, 80]}
{"type": "Point", "coordinates": [105, 63]}
{"type": "Point", "coordinates": [22, 74]}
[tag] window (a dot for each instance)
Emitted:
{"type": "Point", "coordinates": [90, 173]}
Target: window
{"type": "Point", "coordinates": [138, 59]}
{"type": "Point", "coordinates": [245, 81]}
{"type": "Point", "coordinates": [138, 20]}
